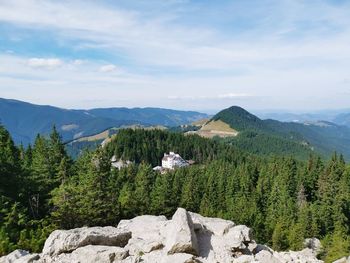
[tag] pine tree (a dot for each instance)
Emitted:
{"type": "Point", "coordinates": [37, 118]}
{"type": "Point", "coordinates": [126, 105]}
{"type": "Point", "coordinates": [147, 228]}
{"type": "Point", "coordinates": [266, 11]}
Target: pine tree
{"type": "Point", "coordinates": [279, 237]}
{"type": "Point", "coordinates": [126, 201]}
{"type": "Point", "coordinates": [190, 198]}
{"type": "Point", "coordinates": [58, 158]}
{"type": "Point", "coordinates": [142, 189]}
{"type": "Point", "coordinates": [41, 181]}
{"type": "Point", "coordinates": [328, 184]}
{"type": "Point", "coordinates": [339, 247]}
{"type": "Point", "coordinates": [95, 206]}
{"type": "Point", "coordinates": [9, 165]}
{"type": "Point", "coordinates": [160, 196]}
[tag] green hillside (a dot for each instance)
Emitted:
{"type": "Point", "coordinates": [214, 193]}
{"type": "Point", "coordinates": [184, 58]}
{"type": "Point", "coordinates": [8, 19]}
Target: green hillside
{"type": "Point", "coordinates": [268, 145]}
{"type": "Point", "coordinates": [271, 136]}
{"type": "Point", "coordinates": [240, 119]}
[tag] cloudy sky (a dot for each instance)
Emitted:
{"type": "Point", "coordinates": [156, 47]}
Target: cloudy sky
{"type": "Point", "coordinates": [201, 54]}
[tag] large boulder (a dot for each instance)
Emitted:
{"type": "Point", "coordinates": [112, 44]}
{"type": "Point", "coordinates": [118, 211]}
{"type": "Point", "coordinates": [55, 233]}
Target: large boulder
{"type": "Point", "coordinates": [343, 260]}
{"type": "Point", "coordinates": [314, 244]}
{"type": "Point", "coordinates": [238, 237]}
{"type": "Point", "coordinates": [19, 256]}
{"type": "Point", "coordinates": [217, 226]}
{"type": "Point", "coordinates": [305, 256]}
{"type": "Point", "coordinates": [265, 256]}
{"type": "Point", "coordinates": [244, 259]}
{"type": "Point", "coordinates": [220, 240]}
{"type": "Point", "coordinates": [65, 241]}
{"type": "Point", "coordinates": [92, 254]}
{"type": "Point", "coordinates": [147, 233]}
{"type": "Point", "coordinates": [181, 237]}
{"type": "Point", "coordinates": [162, 257]}
{"type": "Point", "coordinates": [145, 227]}
{"type": "Point", "coordinates": [137, 246]}
{"type": "Point", "coordinates": [16, 254]}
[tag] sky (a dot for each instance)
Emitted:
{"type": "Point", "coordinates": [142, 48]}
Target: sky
{"type": "Point", "coordinates": [181, 54]}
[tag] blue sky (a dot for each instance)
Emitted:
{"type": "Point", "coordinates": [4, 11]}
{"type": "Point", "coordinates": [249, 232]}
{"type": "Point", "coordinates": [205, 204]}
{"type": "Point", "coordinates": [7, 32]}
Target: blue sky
{"type": "Point", "coordinates": [199, 55]}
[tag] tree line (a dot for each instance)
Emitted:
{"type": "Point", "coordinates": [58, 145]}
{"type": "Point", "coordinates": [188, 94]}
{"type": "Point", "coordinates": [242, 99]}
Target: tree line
{"type": "Point", "coordinates": [283, 199]}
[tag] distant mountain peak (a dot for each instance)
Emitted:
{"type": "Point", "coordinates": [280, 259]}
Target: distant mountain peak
{"type": "Point", "coordinates": [239, 118]}
{"type": "Point", "coordinates": [235, 108]}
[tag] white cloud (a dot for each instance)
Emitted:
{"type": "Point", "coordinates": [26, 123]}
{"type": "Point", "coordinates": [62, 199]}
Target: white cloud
{"type": "Point", "coordinates": [233, 95]}
{"type": "Point", "coordinates": [48, 63]}
{"type": "Point", "coordinates": [210, 96]}
{"type": "Point", "coordinates": [78, 62]}
{"type": "Point", "coordinates": [162, 40]}
{"type": "Point", "coordinates": [108, 68]}
{"type": "Point", "coordinates": [21, 82]}
{"type": "Point", "coordinates": [265, 60]}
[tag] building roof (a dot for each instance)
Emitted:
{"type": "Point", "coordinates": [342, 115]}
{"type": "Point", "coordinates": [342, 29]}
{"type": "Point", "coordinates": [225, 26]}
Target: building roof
{"type": "Point", "coordinates": [171, 155]}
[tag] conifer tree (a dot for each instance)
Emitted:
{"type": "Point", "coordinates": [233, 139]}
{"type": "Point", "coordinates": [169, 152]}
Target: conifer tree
{"type": "Point", "coordinates": [41, 182]}
{"type": "Point", "coordinates": [279, 237]}
{"type": "Point", "coordinates": [9, 165]}
{"type": "Point", "coordinates": [142, 189]}
{"type": "Point", "coordinates": [160, 196]}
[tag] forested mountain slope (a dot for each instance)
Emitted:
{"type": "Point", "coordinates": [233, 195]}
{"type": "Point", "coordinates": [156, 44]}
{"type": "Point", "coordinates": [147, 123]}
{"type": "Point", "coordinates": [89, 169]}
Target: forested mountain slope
{"type": "Point", "coordinates": [270, 136]}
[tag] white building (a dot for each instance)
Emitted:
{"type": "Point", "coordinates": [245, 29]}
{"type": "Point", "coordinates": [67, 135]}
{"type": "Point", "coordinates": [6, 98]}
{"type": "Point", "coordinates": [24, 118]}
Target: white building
{"type": "Point", "coordinates": [173, 160]}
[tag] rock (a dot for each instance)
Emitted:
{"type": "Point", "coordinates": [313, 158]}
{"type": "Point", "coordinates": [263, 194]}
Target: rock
{"type": "Point", "coordinates": [28, 258]}
{"type": "Point", "coordinates": [217, 226]}
{"type": "Point", "coordinates": [238, 237]}
{"type": "Point", "coordinates": [181, 237]}
{"type": "Point", "coordinates": [252, 246]}
{"type": "Point", "coordinates": [261, 248]}
{"type": "Point", "coordinates": [162, 257]}
{"type": "Point", "coordinates": [304, 256]}
{"type": "Point", "coordinates": [63, 241]}
{"type": "Point", "coordinates": [16, 254]}
{"type": "Point", "coordinates": [186, 238]}
{"type": "Point", "coordinates": [145, 227]}
{"type": "Point", "coordinates": [244, 259]}
{"type": "Point", "coordinates": [137, 246]}
{"type": "Point", "coordinates": [180, 258]}
{"type": "Point", "coordinates": [343, 260]}
{"type": "Point", "coordinates": [265, 256]}
{"type": "Point", "coordinates": [269, 256]}
{"type": "Point", "coordinates": [148, 228]}
{"type": "Point", "coordinates": [147, 233]}
{"type": "Point", "coordinates": [19, 256]}
{"type": "Point", "coordinates": [314, 244]}
{"type": "Point", "coordinates": [92, 254]}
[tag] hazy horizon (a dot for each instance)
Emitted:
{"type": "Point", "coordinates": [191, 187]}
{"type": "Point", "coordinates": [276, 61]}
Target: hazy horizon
{"type": "Point", "coordinates": [211, 111]}
{"type": "Point", "coordinates": [178, 54]}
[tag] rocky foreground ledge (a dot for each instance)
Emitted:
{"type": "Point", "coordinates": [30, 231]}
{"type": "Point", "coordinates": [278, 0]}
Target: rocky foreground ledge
{"type": "Point", "coordinates": [186, 238]}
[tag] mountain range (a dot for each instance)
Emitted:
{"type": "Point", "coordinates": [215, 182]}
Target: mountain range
{"type": "Point", "coordinates": [235, 125]}
{"type": "Point", "coordinates": [271, 136]}
{"type": "Point", "coordinates": [340, 117]}
{"type": "Point", "coordinates": [25, 120]}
